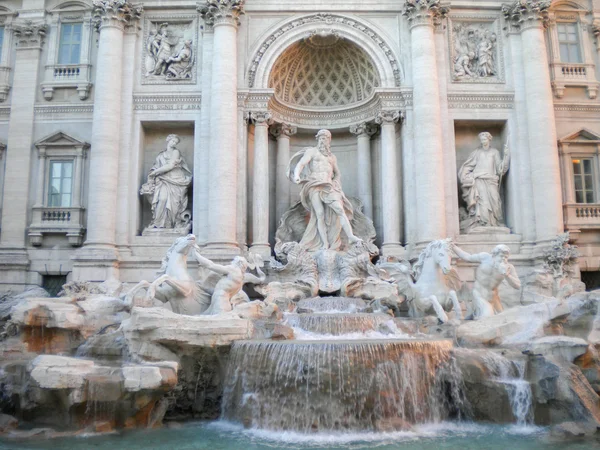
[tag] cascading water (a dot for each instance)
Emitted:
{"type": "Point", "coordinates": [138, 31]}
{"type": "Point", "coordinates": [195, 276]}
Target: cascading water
{"type": "Point", "coordinates": [511, 374]}
{"type": "Point", "coordinates": [357, 384]}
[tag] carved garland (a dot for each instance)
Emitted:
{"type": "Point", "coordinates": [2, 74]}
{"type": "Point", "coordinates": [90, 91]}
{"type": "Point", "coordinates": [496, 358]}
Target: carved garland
{"type": "Point", "coordinates": [327, 19]}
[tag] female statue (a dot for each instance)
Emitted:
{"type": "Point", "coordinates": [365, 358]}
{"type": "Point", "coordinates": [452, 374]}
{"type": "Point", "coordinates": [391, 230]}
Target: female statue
{"type": "Point", "coordinates": [167, 187]}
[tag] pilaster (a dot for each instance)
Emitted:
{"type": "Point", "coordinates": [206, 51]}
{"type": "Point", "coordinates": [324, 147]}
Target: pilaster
{"type": "Point", "coordinates": [529, 18]}
{"type": "Point", "coordinates": [98, 260]}
{"type": "Point", "coordinates": [29, 36]}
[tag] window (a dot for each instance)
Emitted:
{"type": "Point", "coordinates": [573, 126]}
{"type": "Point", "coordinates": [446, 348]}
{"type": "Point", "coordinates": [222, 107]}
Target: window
{"type": "Point", "coordinates": [584, 180]}
{"type": "Point", "coordinates": [61, 182]}
{"type": "Point", "coordinates": [568, 42]}
{"type": "Point", "coordinates": [1, 41]}
{"type": "Point", "coordinates": [53, 284]}
{"type": "Point", "coordinates": [70, 43]}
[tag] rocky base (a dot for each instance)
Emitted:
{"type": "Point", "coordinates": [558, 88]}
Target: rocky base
{"type": "Point", "coordinates": [86, 362]}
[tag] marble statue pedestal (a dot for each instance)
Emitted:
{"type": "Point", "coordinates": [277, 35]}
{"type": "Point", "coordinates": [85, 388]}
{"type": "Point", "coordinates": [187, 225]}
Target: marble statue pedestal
{"type": "Point", "coordinates": [480, 241]}
{"type": "Point", "coordinates": [172, 233]}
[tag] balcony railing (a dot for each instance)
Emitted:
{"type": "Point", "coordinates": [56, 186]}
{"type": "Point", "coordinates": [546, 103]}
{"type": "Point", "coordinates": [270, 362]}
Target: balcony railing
{"type": "Point", "coordinates": [582, 215]}
{"type": "Point", "coordinates": [52, 220]}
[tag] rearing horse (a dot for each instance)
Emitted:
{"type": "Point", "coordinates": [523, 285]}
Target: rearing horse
{"type": "Point", "coordinates": [175, 285]}
{"type": "Point", "coordinates": [436, 282]}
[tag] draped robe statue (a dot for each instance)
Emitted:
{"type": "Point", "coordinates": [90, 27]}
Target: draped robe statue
{"type": "Point", "coordinates": [480, 177]}
{"type": "Point", "coordinates": [167, 187]}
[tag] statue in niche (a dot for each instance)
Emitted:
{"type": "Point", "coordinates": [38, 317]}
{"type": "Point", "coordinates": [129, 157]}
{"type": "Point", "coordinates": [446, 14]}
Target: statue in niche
{"type": "Point", "coordinates": [316, 170]}
{"type": "Point", "coordinates": [474, 52]}
{"type": "Point", "coordinates": [493, 269]}
{"type": "Point", "coordinates": [166, 189]}
{"type": "Point", "coordinates": [480, 178]}
{"type": "Point", "coordinates": [168, 57]}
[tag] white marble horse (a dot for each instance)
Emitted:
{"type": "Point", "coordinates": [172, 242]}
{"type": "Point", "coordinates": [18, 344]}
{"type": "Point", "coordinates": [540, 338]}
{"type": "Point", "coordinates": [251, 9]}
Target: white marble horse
{"type": "Point", "coordinates": [436, 282]}
{"type": "Point", "coordinates": [175, 285]}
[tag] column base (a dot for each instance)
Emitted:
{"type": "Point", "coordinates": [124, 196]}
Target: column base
{"type": "Point", "coordinates": [264, 250]}
{"type": "Point", "coordinates": [221, 251]}
{"type": "Point", "coordinates": [394, 249]}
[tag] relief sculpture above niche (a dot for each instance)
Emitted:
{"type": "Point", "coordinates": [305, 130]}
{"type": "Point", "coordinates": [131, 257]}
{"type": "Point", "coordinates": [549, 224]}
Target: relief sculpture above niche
{"type": "Point", "coordinates": [476, 55]}
{"type": "Point", "coordinates": [169, 54]}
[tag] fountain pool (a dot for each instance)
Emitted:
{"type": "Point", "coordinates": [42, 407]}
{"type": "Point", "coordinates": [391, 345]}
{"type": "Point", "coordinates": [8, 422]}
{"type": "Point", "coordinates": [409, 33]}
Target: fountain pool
{"type": "Point", "coordinates": [226, 436]}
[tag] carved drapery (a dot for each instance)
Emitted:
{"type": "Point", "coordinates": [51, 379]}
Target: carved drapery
{"type": "Point", "coordinates": [525, 13]}
{"type": "Point", "coordinates": [425, 12]}
{"type": "Point", "coordinates": [117, 13]}
{"type": "Point", "coordinates": [215, 12]}
{"type": "Point", "coordinates": [29, 34]}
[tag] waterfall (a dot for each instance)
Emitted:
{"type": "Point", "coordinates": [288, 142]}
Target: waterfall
{"type": "Point", "coordinates": [335, 385]}
{"type": "Point", "coordinates": [511, 374]}
{"type": "Point", "coordinates": [337, 324]}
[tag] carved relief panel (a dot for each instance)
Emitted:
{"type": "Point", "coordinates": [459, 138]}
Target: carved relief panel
{"type": "Point", "coordinates": [476, 54]}
{"type": "Point", "coordinates": [170, 49]}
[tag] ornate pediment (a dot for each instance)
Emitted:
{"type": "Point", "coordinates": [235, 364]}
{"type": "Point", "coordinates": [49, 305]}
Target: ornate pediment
{"type": "Point", "coordinates": [61, 139]}
{"type": "Point", "coordinates": [583, 136]}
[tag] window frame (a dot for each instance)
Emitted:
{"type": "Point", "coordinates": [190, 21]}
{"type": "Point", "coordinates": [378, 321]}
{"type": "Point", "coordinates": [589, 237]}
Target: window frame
{"type": "Point", "coordinates": [61, 44]}
{"type": "Point", "coordinates": [50, 178]}
{"type": "Point", "coordinates": [578, 42]}
{"type": "Point", "coordinates": [593, 173]}
{"type": "Point", "coordinates": [62, 74]}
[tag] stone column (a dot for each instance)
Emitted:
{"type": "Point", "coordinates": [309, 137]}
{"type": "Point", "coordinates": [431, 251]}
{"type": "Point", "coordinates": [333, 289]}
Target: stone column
{"type": "Point", "coordinates": [99, 253]}
{"type": "Point", "coordinates": [260, 185]}
{"type": "Point", "coordinates": [390, 182]}
{"type": "Point", "coordinates": [201, 154]}
{"type": "Point", "coordinates": [223, 157]}
{"type": "Point", "coordinates": [126, 187]}
{"type": "Point", "coordinates": [282, 132]}
{"type": "Point", "coordinates": [363, 132]}
{"type": "Point", "coordinates": [30, 38]}
{"type": "Point", "coordinates": [427, 124]}
{"type": "Point", "coordinates": [530, 17]}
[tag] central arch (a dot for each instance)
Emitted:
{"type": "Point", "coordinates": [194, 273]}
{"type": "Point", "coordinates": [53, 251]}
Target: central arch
{"type": "Point", "coordinates": [349, 28]}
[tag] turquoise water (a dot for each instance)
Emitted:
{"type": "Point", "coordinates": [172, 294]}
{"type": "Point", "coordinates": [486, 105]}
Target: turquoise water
{"type": "Point", "coordinates": [224, 436]}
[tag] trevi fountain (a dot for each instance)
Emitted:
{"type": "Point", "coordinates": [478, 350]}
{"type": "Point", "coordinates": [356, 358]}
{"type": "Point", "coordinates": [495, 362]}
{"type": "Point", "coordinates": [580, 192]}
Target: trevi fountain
{"type": "Point", "coordinates": [328, 333]}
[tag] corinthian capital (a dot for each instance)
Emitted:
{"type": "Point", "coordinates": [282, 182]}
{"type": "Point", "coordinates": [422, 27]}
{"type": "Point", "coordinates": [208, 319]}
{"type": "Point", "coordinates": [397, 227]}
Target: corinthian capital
{"type": "Point", "coordinates": [526, 13]}
{"type": "Point", "coordinates": [363, 129]}
{"type": "Point", "coordinates": [29, 34]}
{"type": "Point", "coordinates": [425, 12]}
{"type": "Point", "coordinates": [389, 117]}
{"type": "Point", "coordinates": [116, 13]}
{"type": "Point", "coordinates": [283, 129]}
{"type": "Point", "coordinates": [215, 12]}
{"type": "Point", "coordinates": [261, 118]}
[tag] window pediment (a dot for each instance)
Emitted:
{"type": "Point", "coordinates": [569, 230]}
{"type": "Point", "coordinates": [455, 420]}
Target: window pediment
{"type": "Point", "coordinates": [61, 139]}
{"type": "Point", "coordinates": [583, 136]}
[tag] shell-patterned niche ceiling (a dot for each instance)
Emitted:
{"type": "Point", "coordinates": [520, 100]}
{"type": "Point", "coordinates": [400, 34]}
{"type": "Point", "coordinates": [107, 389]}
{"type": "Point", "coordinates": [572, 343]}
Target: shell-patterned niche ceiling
{"type": "Point", "coordinates": [323, 71]}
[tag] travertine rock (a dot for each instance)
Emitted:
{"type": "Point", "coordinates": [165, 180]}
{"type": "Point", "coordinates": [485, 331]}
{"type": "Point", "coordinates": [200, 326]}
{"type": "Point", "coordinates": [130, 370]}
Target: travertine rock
{"type": "Point", "coordinates": [154, 333]}
{"type": "Point", "coordinates": [559, 347]}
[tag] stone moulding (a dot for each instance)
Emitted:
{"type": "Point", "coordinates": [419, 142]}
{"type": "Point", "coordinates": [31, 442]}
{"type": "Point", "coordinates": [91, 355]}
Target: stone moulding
{"type": "Point", "coordinates": [331, 20]}
{"type": "Point", "coordinates": [166, 102]}
{"type": "Point", "coordinates": [341, 117]}
{"type": "Point", "coordinates": [491, 22]}
{"type": "Point", "coordinates": [482, 101]}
